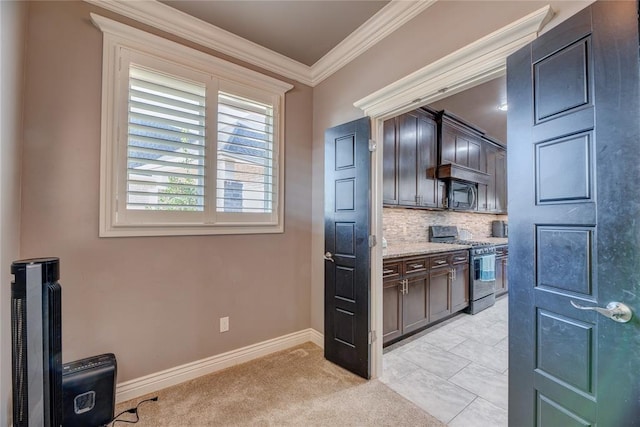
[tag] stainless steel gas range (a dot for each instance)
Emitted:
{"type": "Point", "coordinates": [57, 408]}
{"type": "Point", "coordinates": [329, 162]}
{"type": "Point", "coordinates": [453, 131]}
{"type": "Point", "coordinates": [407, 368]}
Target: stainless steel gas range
{"type": "Point", "coordinates": [482, 260]}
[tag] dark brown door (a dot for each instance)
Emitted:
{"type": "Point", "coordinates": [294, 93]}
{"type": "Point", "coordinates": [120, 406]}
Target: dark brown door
{"type": "Point", "coordinates": [574, 228]}
{"type": "Point", "coordinates": [347, 253]}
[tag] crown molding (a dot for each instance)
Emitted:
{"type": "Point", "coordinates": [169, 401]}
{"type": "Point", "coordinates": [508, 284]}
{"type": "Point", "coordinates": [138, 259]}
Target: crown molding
{"type": "Point", "coordinates": [391, 17]}
{"type": "Point", "coordinates": [173, 21]}
{"type": "Point", "coordinates": [473, 64]}
{"type": "Point", "coordinates": [178, 23]}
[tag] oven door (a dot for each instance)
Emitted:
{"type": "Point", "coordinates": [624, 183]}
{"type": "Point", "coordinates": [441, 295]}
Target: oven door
{"type": "Point", "coordinates": [483, 275]}
{"type": "Point", "coordinates": [463, 195]}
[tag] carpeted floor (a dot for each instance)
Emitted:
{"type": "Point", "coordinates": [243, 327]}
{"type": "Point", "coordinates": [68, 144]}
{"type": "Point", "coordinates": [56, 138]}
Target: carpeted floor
{"type": "Point", "coordinates": [295, 387]}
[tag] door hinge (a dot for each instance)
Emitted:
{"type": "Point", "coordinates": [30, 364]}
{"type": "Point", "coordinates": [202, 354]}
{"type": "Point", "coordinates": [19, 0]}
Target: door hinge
{"type": "Point", "coordinates": [372, 241]}
{"type": "Point", "coordinates": [372, 145]}
{"type": "Point", "coordinates": [372, 336]}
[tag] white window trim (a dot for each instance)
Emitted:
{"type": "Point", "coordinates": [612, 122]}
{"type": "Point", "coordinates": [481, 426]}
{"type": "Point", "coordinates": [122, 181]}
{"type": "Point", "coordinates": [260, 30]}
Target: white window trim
{"type": "Point", "coordinates": [116, 36]}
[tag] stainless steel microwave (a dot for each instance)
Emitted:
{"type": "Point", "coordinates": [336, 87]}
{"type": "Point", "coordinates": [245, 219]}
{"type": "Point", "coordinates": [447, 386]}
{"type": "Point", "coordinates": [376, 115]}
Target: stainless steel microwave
{"type": "Point", "coordinates": [462, 195]}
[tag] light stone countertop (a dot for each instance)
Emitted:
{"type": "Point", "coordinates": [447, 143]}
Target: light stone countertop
{"type": "Point", "coordinates": [398, 250]}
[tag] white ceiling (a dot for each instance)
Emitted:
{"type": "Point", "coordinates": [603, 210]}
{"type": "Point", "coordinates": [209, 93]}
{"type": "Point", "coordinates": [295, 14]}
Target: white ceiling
{"type": "Point", "coordinates": [479, 105]}
{"type": "Point", "coordinates": [303, 30]}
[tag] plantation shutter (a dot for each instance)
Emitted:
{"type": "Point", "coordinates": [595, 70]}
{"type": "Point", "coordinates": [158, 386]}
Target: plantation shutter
{"type": "Point", "coordinates": [246, 164]}
{"type": "Point", "coordinates": [166, 142]}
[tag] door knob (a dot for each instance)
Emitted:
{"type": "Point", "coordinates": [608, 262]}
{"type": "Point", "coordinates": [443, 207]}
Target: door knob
{"type": "Point", "coordinates": [615, 311]}
{"type": "Point", "coordinates": [328, 256]}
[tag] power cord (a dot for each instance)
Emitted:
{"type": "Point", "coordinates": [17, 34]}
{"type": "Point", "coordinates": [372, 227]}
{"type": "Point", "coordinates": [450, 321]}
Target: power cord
{"type": "Point", "coordinates": [134, 411]}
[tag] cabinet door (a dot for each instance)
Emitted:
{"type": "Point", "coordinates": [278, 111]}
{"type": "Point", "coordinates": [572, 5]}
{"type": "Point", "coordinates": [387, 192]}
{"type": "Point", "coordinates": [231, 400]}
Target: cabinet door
{"type": "Point", "coordinates": [390, 163]}
{"type": "Point", "coordinates": [501, 181]}
{"type": "Point", "coordinates": [407, 159]}
{"type": "Point", "coordinates": [439, 298]}
{"type": "Point", "coordinates": [427, 183]}
{"type": "Point", "coordinates": [415, 304]}
{"type": "Point", "coordinates": [502, 284]}
{"type": "Point", "coordinates": [391, 310]}
{"type": "Point", "coordinates": [474, 154]}
{"type": "Point", "coordinates": [460, 287]}
{"type": "Point", "coordinates": [491, 152]}
{"type": "Point", "coordinates": [460, 144]}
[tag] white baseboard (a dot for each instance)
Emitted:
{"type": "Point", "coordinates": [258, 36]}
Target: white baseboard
{"type": "Point", "coordinates": [169, 377]}
{"type": "Point", "coordinates": [316, 337]}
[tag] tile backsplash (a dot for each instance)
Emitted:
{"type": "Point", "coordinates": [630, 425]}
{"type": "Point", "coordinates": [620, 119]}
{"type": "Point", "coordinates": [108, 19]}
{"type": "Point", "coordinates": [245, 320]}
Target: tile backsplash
{"type": "Point", "coordinates": [412, 225]}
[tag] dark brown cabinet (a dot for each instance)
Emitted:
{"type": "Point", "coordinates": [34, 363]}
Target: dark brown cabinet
{"type": "Point", "coordinates": [439, 290]}
{"type": "Point", "coordinates": [460, 282]}
{"type": "Point", "coordinates": [415, 310]}
{"type": "Point", "coordinates": [460, 143]}
{"type": "Point", "coordinates": [492, 197]}
{"type": "Point", "coordinates": [418, 291]}
{"type": "Point", "coordinates": [410, 160]}
{"type": "Point", "coordinates": [417, 142]}
{"type": "Point", "coordinates": [502, 279]}
{"type": "Point", "coordinates": [449, 285]}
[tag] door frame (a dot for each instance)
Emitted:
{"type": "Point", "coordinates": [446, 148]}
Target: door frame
{"type": "Point", "coordinates": [469, 66]}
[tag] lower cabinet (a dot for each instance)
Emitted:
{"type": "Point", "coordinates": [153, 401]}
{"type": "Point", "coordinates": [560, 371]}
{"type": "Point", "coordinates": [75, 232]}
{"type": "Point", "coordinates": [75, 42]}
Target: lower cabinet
{"type": "Point", "coordinates": [392, 309]}
{"type": "Point", "coordinates": [460, 286]}
{"type": "Point", "coordinates": [439, 293]}
{"type": "Point", "coordinates": [415, 309]}
{"type": "Point", "coordinates": [502, 279]}
{"type": "Point", "coordinates": [418, 291]}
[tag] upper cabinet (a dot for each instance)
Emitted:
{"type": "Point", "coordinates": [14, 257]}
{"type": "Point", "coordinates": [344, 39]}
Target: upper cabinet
{"type": "Point", "coordinates": [492, 197]}
{"type": "Point", "coordinates": [460, 143]}
{"type": "Point", "coordinates": [421, 145]}
{"type": "Point", "coordinates": [410, 161]}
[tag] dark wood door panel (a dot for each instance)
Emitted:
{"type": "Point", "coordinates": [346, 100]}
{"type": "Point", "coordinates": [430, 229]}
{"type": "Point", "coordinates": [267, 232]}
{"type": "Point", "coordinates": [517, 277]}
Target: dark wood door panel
{"type": "Point", "coordinates": [347, 268]}
{"type": "Point", "coordinates": [573, 135]}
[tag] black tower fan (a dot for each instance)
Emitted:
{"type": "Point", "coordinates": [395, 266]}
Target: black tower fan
{"type": "Point", "coordinates": [36, 343]}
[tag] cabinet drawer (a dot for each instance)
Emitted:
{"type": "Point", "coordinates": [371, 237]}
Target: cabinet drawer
{"type": "Point", "coordinates": [416, 265]}
{"type": "Point", "coordinates": [438, 261]}
{"type": "Point", "coordinates": [460, 257]}
{"type": "Point", "coordinates": [391, 270]}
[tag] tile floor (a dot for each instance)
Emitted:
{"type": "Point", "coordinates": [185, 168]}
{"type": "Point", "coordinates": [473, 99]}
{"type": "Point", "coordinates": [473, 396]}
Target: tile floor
{"type": "Point", "coordinates": [457, 371]}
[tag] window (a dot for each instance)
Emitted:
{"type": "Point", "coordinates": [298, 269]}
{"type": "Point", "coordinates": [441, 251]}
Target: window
{"type": "Point", "coordinates": [191, 144]}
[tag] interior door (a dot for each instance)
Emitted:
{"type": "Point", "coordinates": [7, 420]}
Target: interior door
{"type": "Point", "coordinates": [347, 252]}
{"type": "Point", "coordinates": [574, 222]}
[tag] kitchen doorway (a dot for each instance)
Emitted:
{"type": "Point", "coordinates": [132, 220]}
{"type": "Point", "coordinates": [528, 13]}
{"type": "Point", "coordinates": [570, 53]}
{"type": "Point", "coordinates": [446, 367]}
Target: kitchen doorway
{"type": "Point", "coordinates": [457, 368]}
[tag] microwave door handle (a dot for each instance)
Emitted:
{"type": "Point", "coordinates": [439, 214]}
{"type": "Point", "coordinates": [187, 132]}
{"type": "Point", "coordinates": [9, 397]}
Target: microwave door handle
{"type": "Point", "coordinates": [473, 196]}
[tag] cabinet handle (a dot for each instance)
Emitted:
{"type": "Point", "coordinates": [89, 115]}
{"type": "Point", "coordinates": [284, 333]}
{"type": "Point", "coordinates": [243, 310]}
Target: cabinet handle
{"type": "Point", "coordinates": [387, 271]}
{"type": "Point", "coordinates": [460, 258]}
{"type": "Point", "coordinates": [455, 274]}
{"type": "Point", "coordinates": [416, 265]}
{"type": "Point", "coordinates": [405, 286]}
{"type": "Point", "coordinates": [440, 262]}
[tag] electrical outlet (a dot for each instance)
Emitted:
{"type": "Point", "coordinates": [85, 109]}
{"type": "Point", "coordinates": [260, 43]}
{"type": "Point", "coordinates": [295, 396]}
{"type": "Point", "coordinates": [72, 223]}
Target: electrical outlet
{"type": "Point", "coordinates": [224, 324]}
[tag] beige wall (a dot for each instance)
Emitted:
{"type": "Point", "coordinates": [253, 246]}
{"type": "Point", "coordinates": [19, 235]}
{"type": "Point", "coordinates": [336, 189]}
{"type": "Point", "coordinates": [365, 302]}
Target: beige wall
{"type": "Point", "coordinates": [13, 25]}
{"type": "Point", "coordinates": [441, 29]}
{"type": "Point", "coordinates": [153, 301]}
